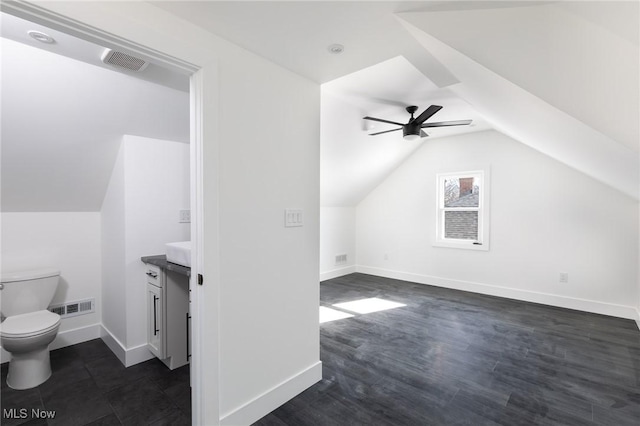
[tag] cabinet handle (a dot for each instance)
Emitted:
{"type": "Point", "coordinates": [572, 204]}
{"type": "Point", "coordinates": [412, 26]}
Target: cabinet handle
{"type": "Point", "coordinates": [188, 354]}
{"type": "Point", "coordinates": [152, 274]}
{"type": "Point", "coordinates": [155, 315]}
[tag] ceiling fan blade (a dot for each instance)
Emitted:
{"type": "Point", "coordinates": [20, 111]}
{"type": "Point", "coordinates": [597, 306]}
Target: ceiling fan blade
{"type": "Point", "coordinates": [447, 123]}
{"type": "Point", "coordinates": [423, 134]}
{"type": "Point", "coordinates": [427, 113]}
{"type": "Point", "coordinates": [386, 131]}
{"type": "Point", "coordinates": [382, 121]}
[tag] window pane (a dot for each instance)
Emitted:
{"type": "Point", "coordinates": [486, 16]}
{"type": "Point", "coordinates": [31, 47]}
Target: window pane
{"type": "Point", "coordinates": [461, 225]}
{"type": "Point", "coordinates": [461, 192]}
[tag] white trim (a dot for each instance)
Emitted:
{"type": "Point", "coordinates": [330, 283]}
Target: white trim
{"type": "Point", "coordinates": [335, 273]}
{"type": "Point", "coordinates": [75, 336]}
{"type": "Point", "coordinates": [138, 354]}
{"type": "Point", "coordinates": [196, 307]}
{"type": "Point", "coordinates": [127, 357]}
{"type": "Point", "coordinates": [637, 318]}
{"type": "Point", "coordinates": [65, 338]}
{"type": "Point", "coordinates": [258, 407]}
{"type": "Point", "coordinates": [621, 311]}
{"type": "Point", "coordinates": [483, 209]}
{"type": "Point", "coordinates": [114, 344]}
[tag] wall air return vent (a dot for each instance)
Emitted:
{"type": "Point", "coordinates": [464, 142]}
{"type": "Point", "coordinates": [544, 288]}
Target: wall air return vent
{"type": "Point", "coordinates": [123, 60]}
{"type": "Point", "coordinates": [72, 309]}
{"type": "Point", "coordinates": [60, 310]}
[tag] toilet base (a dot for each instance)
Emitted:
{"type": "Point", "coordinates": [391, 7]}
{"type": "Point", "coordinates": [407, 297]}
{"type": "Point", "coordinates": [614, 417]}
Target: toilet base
{"type": "Point", "coordinates": [30, 369]}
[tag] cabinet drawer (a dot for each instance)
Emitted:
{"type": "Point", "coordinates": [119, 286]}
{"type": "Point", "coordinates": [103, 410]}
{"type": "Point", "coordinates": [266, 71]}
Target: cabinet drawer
{"type": "Point", "coordinates": [154, 275]}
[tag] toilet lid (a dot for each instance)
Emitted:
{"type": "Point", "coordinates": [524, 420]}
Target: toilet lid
{"type": "Point", "coordinates": [30, 324]}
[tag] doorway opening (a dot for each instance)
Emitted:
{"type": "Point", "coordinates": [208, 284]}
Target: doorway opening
{"type": "Point", "coordinates": [132, 355]}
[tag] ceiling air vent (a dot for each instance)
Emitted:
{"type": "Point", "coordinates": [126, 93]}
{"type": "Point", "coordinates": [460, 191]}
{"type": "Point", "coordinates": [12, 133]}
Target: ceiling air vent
{"type": "Point", "coordinates": [122, 60]}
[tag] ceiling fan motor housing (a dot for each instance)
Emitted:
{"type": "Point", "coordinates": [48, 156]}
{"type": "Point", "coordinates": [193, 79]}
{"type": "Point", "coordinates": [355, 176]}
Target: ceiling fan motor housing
{"type": "Point", "coordinates": [411, 129]}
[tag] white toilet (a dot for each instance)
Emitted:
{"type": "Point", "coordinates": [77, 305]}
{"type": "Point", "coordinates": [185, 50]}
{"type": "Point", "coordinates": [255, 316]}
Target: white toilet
{"type": "Point", "coordinates": [28, 327]}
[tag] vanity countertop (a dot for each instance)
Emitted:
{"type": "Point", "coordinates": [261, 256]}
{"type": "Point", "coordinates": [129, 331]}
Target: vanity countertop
{"type": "Point", "coordinates": [161, 262]}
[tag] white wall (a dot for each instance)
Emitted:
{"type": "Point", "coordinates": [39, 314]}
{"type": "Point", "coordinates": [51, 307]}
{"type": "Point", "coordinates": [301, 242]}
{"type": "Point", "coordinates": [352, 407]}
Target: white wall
{"type": "Point", "coordinates": [337, 236]}
{"type": "Point", "coordinates": [113, 253]}
{"type": "Point", "coordinates": [61, 129]}
{"type": "Point", "coordinates": [258, 323]}
{"type": "Point", "coordinates": [156, 183]}
{"type": "Point", "coordinates": [268, 273]}
{"type": "Point", "coordinates": [148, 187]}
{"type": "Point", "coordinates": [546, 218]}
{"type": "Point", "coordinates": [67, 241]}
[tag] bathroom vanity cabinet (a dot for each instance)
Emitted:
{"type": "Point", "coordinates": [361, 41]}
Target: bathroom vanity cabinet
{"type": "Point", "coordinates": [168, 319]}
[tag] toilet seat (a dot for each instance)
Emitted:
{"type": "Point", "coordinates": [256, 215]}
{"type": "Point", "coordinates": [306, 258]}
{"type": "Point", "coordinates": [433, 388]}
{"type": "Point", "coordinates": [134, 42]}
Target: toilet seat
{"type": "Point", "coordinates": [29, 325]}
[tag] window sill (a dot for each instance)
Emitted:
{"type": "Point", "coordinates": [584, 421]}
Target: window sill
{"type": "Point", "coordinates": [464, 245]}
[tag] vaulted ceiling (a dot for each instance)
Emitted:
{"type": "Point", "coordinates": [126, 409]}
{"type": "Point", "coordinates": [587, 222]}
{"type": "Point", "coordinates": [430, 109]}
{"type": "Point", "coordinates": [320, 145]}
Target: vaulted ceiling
{"type": "Point", "coordinates": [352, 162]}
{"type": "Point", "coordinates": [559, 76]}
{"type": "Point", "coordinates": [63, 120]}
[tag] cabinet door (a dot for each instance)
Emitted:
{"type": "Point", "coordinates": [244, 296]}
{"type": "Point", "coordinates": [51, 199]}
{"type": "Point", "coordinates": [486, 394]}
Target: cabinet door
{"type": "Point", "coordinates": [177, 302]}
{"type": "Point", "coordinates": [155, 321]}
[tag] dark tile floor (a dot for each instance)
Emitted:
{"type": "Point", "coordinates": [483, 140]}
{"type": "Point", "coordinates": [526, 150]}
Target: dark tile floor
{"type": "Point", "coordinates": [447, 358]}
{"type": "Point", "coordinates": [457, 358]}
{"type": "Point", "coordinates": [89, 386]}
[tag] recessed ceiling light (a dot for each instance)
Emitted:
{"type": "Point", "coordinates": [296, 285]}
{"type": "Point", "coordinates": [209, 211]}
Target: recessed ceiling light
{"type": "Point", "coordinates": [41, 37]}
{"type": "Point", "coordinates": [336, 49]}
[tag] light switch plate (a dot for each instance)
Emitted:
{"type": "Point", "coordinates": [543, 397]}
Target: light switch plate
{"type": "Point", "coordinates": [293, 218]}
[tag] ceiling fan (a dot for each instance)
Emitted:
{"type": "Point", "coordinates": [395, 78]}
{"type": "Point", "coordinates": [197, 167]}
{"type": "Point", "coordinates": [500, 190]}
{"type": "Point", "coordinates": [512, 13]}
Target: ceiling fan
{"type": "Point", "coordinates": [412, 130]}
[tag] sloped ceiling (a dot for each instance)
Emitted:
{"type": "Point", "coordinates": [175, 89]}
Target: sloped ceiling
{"type": "Point", "coordinates": [354, 163]}
{"type": "Point", "coordinates": [586, 69]}
{"type": "Point", "coordinates": [62, 124]}
{"type": "Point", "coordinates": [547, 90]}
{"type": "Point", "coordinates": [14, 28]}
{"type": "Point", "coordinates": [571, 66]}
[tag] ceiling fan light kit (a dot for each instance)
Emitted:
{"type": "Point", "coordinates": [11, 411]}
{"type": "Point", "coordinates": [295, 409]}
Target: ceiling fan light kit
{"type": "Point", "coordinates": [412, 130]}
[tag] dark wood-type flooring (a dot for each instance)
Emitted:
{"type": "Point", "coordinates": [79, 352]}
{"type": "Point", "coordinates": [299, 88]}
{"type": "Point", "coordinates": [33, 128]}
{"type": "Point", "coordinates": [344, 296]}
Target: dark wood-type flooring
{"type": "Point", "coordinates": [457, 358]}
{"type": "Point", "coordinates": [89, 386]}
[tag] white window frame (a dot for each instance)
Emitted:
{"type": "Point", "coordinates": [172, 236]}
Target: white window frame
{"type": "Point", "coordinates": [482, 243]}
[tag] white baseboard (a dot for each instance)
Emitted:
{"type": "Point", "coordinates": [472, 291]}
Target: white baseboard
{"type": "Point", "coordinates": [138, 354]}
{"type": "Point", "coordinates": [114, 344]}
{"type": "Point", "coordinates": [621, 311]}
{"type": "Point", "coordinates": [637, 318]}
{"type": "Point", "coordinates": [259, 407]}
{"type": "Point", "coordinates": [127, 357]}
{"type": "Point", "coordinates": [66, 338]}
{"type": "Point", "coordinates": [335, 273]}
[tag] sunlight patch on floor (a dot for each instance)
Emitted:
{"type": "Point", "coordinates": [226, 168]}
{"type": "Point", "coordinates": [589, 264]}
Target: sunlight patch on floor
{"type": "Point", "coordinates": [328, 314]}
{"type": "Point", "coordinates": [366, 306]}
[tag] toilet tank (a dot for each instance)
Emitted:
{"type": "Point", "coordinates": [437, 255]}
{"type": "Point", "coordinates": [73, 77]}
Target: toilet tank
{"type": "Point", "coordinates": [27, 291]}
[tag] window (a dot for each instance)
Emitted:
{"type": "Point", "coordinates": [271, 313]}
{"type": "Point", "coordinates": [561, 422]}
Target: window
{"type": "Point", "coordinates": [462, 210]}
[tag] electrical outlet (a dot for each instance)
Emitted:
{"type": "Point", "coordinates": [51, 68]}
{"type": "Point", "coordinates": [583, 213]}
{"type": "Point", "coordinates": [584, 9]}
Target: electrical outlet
{"type": "Point", "coordinates": [185, 216]}
{"type": "Point", "coordinates": [564, 277]}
